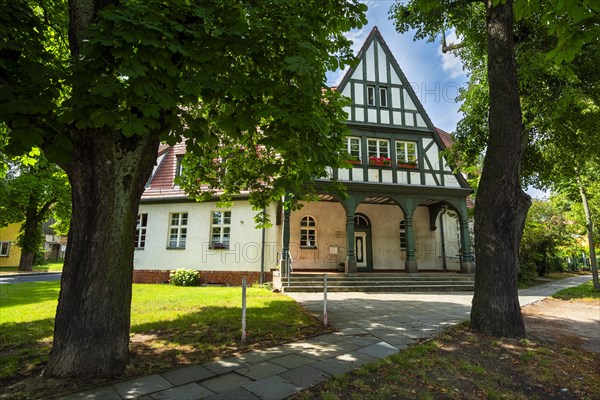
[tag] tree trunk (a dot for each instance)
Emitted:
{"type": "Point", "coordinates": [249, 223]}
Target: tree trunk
{"type": "Point", "coordinates": [107, 176]}
{"type": "Point", "coordinates": [28, 239]}
{"type": "Point", "coordinates": [501, 206]}
{"type": "Point", "coordinates": [590, 231]}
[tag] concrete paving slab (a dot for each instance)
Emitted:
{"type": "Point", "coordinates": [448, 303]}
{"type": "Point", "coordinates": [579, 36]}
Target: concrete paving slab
{"type": "Point", "coordinates": [225, 365]}
{"type": "Point", "coordinates": [181, 376]}
{"type": "Point", "coordinates": [261, 370]}
{"type": "Point", "coordinates": [107, 392]}
{"type": "Point", "coordinates": [292, 361]}
{"type": "Point", "coordinates": [379, 350]}
{"type": "Point", "coordinates": [333, 366]}
{"type": "Point", "coordinates": [238, 393]}
{"type": "Point", "coordinates": [191, 391]}
{"type": "Point", "coordinates": [225, 382]}
{"type": "Point", "coordinates": [356, 358]}
{"type": "Point", "coordinates": [305, 376]}
{"type": "Point", "coordinates": [141, 386]}
{"type": "Point", "coordinates": [272, 388]}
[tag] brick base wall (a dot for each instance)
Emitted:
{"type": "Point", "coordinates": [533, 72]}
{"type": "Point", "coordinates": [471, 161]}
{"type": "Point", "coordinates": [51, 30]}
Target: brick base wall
{"type": "Point", "coordinates": [231, 278]}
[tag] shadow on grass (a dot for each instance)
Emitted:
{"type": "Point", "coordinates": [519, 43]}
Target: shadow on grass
{"type": "Point", "coordinates": [28, 293]}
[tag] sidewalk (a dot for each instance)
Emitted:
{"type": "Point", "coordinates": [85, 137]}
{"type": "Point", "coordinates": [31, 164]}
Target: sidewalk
{"type": "Point", "coordinates": [370, 326]}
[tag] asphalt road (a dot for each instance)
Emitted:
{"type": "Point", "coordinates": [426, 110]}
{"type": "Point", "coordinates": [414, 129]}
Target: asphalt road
{"type": "Point", "coordinates": [7, 279]}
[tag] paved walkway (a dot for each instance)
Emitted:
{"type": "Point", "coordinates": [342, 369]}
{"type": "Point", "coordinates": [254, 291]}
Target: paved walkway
{"type": "Point", "coordinates": [370, 326]}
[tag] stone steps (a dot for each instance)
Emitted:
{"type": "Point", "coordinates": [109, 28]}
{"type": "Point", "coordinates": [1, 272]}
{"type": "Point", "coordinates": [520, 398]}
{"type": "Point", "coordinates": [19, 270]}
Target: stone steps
{"type": "Point", "coordinates": [379, 283]}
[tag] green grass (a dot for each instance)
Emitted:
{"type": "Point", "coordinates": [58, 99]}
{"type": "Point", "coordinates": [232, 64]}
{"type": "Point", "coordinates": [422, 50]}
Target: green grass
{"type": "Point", "coordinates": [462, 364]}
{"type": "Point", "coordinates": [583, 291]}
{"type": "Point", "coordinates": [169, 325]}
{"type": "Point", "coordinates": [50, 267]}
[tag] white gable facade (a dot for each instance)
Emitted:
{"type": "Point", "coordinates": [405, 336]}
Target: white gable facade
{"type": "Point", "coordinates": [405, 211]}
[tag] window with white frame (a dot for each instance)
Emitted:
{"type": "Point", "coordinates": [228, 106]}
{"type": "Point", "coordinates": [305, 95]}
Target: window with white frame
{"type": "Point", "coordinates": [4, 249]}
{"type": "Point", "coordinates": [378, 148]}
{"type": "Point", "coordinates": [371, 95]}
{"type": "Point", "coordinates": [177, 230]}
{"type": "Point", "coordinates": [179, 165]}
{"type": "Point", "coordinates": [308, 232]}
{"type": "Point", "coordinates": [406, 152]}
{"type": "Point", "coordinates": [220, 229]}
{"type": "Point", "coordinates": [353, 148]}
{"type": "Point", "coordinates": [140, 231]}
{"type": "Point", "coordinates": [383, 97]}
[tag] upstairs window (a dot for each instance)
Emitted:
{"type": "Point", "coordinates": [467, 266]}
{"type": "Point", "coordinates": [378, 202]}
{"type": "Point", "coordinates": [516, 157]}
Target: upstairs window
{"type": "Point", "coordinates": [178, 230]}
{"type": "Point", "coordinates": [220, 229]}
{"type": "Point", "coordinates": [308, 232]}
{"type": "Point", "coordinates": [406, 152]}
{"type": "Point", "coordinates": [371, 95]}
{"type": "Point", "coordinates": [383, 97]}
{"type": "Point", "coordinates": [378, 148]}
{"type": "Point", "coordinates": [140, 231]}
{"type": "Point", "coordinates": [353, 149]}
{"type": "Point", "coordinates": [179, 166]}
{"type": "Point", "coordinates": [4, 249]}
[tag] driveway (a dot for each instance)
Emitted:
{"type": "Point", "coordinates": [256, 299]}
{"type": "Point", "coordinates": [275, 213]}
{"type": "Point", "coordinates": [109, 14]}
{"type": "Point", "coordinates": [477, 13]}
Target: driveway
{"type": "Point", "coordinates": [30, 277]}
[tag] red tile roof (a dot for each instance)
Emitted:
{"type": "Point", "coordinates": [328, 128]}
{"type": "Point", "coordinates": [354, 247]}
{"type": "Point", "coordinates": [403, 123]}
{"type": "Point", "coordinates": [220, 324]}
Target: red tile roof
{"type": "Point", "coordinates": [445, 136]}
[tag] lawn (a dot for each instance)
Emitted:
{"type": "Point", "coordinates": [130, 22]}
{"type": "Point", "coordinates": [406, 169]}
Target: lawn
{"type": "Point", "coordinates": [50, 267]}
{"type": "Point", "coordinates": [169, 325]}
{"type": "Point", "coordinates": [461, 364]}
{"type": "Point", "coordinates": [584, 291]}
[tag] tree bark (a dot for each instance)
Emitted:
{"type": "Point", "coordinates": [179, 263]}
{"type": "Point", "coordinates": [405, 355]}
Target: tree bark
{"type": "Point", "coordinates": [590, 232]}
{"type": "Point", "coordinates": [28, 240]}
{"type": "Point", "coordinates": [107, 176]}
{"type": "Point", "coordinates": [501, 206]}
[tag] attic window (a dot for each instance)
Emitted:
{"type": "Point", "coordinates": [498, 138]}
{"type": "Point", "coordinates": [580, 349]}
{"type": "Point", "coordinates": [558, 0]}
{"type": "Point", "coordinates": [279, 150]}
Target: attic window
{"type": "Point", "coordinates": [371, 95]}
{"type": "Point", "coordinates": [383, 97]}
{"type": "Point", "coordinates": [4, 249]}
{"type": "Point", "coordinates": [179, 166]}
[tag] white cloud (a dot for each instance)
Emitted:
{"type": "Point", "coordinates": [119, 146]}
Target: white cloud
{"type": "Point", "coordinates": [450, 63]}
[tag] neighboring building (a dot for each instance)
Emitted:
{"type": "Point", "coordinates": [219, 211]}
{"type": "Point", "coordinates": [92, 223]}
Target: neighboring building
{"type": "Point", "coordinates": [406, 210]}
{"type": "Point", "coordinates": [10, 253]}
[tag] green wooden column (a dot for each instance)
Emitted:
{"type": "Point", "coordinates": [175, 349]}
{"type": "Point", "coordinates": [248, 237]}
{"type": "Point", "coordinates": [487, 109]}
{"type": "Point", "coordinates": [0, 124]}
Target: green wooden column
{"type": "Point", "coordinates": [411, 257]}
{"type": "Point", "coordinates": [350, 264]}
{"type": "Point", "coordinates": [285, 240]}
{"type": "Point", "coordinates": [467, 261]}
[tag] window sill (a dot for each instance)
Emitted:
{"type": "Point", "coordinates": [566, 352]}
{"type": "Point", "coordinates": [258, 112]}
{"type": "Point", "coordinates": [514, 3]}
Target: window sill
{"type": "Point", "coordinates": [218, 248]}
{"type": "Point", "coordinates": [309, 247]}
{"type": "Point", "coordinates": [175, 248]}
{"type": "Point", "coordinates": [139, 248]}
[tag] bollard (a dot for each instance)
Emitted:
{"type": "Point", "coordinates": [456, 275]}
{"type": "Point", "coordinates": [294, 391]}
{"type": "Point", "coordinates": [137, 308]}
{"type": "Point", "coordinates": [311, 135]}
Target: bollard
{"type": "Point", "coordinates": [325, 321]}
{"type": "Point", "coordinates": [244, 310]}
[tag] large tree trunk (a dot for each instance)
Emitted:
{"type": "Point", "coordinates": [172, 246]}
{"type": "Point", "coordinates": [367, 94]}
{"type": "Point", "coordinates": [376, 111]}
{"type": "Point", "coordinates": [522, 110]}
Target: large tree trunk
{"type": "Point", "coordinates": [28, 240]}
{"type": "Point", "coordinates": [501, 206]}
{"type": "Point", "coordinates": [107, 176]}
{"type": "Point", "coordinates": [590, 232]}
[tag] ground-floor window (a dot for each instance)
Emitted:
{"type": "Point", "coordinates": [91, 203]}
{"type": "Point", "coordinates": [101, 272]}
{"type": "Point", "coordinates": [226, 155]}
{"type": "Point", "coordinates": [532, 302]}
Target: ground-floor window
{"type": "Point", "coordinates": [4, 249]}
{"type": "Point", "coordinates": [140, 231]}
{"type": "Point", "coordinates": [220, 229]}
{"type": "Point", "coordinates": [178, 230]}
{"type": "Point", "coordinates": [308, 232]}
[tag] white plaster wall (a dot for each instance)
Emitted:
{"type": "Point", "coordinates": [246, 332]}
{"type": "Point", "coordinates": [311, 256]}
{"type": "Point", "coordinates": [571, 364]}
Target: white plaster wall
{"type": "Point", "coordinates": [244, 253]}
{"type": "Point", "coordinates": [331, 232]}
{"type": "Point", "coordinates": [385, 233]}
{"type": "Point", "coordinates": [452, 241]}
{"type": "Point", "coordinates": [427, 242]}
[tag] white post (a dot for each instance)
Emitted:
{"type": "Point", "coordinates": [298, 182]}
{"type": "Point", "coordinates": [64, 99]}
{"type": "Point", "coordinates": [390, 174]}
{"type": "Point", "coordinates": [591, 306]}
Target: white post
{"type": "Point", "coordinates": [244, 310]}
{"type": "Point", "coordinates": [325, 321]}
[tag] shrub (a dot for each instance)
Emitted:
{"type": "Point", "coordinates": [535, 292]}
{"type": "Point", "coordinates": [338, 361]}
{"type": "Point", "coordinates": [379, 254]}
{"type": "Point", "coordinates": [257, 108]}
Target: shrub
{"type": "Point", "coordinates": [184, 277]}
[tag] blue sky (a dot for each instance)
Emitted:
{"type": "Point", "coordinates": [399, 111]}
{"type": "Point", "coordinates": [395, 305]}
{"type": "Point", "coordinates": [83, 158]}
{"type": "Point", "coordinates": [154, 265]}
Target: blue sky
{"type": "Point", "coordinates": [435, 77]}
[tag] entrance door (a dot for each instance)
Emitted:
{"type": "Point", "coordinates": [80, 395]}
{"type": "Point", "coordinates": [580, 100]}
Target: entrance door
{"type": "Point", "coordinates": [360, 249]}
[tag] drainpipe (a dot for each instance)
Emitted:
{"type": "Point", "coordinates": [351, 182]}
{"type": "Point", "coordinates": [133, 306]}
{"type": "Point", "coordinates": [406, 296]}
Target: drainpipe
{"type": "Point", "coordinates": [444, 264]}
{"type": "Point", "coordinates": [262, 251]}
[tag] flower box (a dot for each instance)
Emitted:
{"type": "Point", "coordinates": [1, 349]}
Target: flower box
{"type": "Point", "coordinates": [380, 161]}
{"type": "Point", "coordinates": [355, 162]}
{"type": "Point", "coordinates": [219, 246]}
{"type": "Point", "coordinates": [408, 165]}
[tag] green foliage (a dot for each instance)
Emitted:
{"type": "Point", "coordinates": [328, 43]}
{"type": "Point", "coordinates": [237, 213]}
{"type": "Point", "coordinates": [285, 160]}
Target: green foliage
{"type": "Point", "coordinates": [32, 191]}
{"type": "Point", "coordinates": [184, 277]}
{"type": "Point", "coordinates": [547, 232]}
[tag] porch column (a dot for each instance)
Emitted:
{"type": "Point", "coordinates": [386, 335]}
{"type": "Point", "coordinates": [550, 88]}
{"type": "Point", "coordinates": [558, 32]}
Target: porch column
{"type": "Point", "coordinates": [285, 240]}
{"type": "Point", "coordinates": [411, 259]}
{"type": "Point", "coordinates": [350, 264]}
{"type": "Point", "coordinates": [467, 262]}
